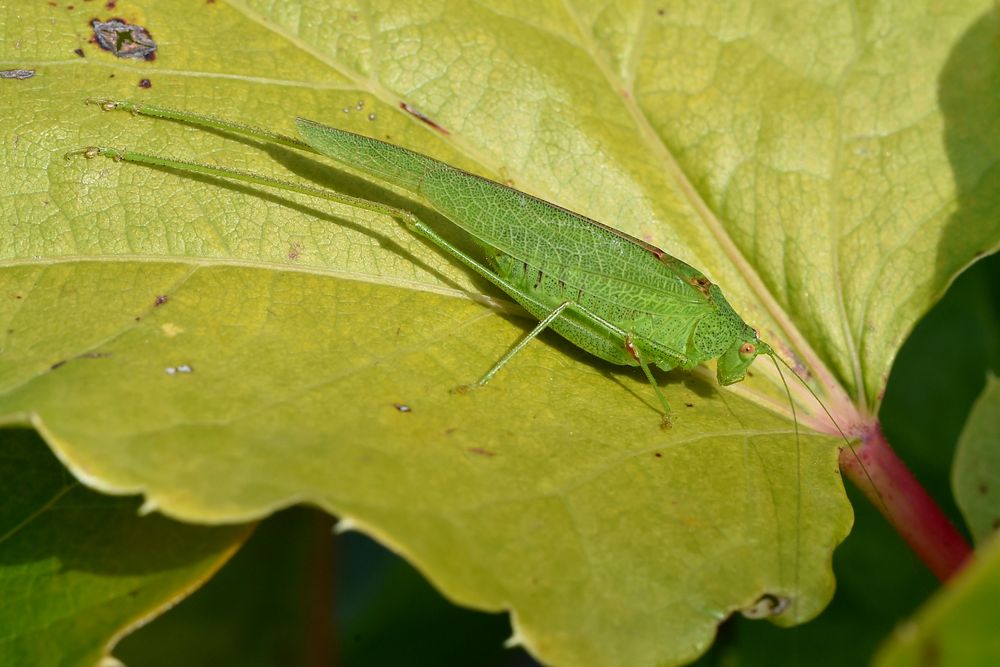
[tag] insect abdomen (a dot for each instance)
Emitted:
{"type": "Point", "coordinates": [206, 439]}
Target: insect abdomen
{"type": "Point", "coordinates": [396, 165]}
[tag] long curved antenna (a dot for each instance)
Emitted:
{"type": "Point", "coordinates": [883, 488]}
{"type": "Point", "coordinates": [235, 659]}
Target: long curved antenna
{"type": "Point", "coordinates": [798, 465]}
{"type": "Point", "coordinates": [774, 357]}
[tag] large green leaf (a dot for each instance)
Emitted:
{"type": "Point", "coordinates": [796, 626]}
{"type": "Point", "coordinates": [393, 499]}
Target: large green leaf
{"type": "Point", "coordinates": [958, 625]}
{"type": "Point", "coordinates": [268, 606]}
{"type": "Point", "coordinates": [826, 166]}
{"type": "Point", "coordinates": [78, 569]}
{"type": "Point", "coordinates": [977, 464]}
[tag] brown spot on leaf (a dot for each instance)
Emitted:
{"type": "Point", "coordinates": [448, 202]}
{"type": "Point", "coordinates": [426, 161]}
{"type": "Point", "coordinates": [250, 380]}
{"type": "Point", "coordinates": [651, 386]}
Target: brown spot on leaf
{"type": "Point", "coordinates": [422, 118]}
{"type": "Point", "coordinates": [482, 452]}
{"type": "Point", "coordinates": [930, 653]}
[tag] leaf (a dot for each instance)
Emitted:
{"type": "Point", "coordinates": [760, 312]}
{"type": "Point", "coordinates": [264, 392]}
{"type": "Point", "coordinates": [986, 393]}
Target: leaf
{"type": "Point", "coordinates": [879, 580]}
{"type": "Point", "coordinates": [274, 595]}
{"type": "Point", "coordinates": [78, 569]}
{"type": "Point", "coordinates": [957, 626]}
{"type": "Point", "coordinates": [819, 168]}
{"type": "Point", "coordinates": [254, 612]}
{"type": "Point", "coordinates": [976, 472]}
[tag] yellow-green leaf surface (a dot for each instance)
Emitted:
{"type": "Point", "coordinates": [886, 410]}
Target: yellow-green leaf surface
{"type": "Point", "coordinates": [976, 473]}
{"type": "Point", "coordinates": [957, 627]}
{"type": "Point", "coordinates": [227, 350]}
{"type": "Point", "coordinates": [79, 569]}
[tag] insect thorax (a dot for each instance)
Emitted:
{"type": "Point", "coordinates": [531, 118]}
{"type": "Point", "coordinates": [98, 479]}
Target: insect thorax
{"type": "Point", "coordinates": [719, 331]}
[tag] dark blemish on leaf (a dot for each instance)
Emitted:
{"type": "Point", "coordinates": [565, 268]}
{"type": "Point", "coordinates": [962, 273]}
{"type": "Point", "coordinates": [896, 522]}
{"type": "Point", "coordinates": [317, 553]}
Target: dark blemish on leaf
{"type": "Point", "coordinates": [984, 488]}
{"type": "Point", "coordinates": [402, 407]}
{"type": "Point", "coordinates": [124, 39]}
{"type": "Point", "coordinates": [70, 7]}
{"type": "Point", "coordinates": [145, 83]}
{"type": "Point", "coordinates": [661, 12]}
{"type": "Point", "coordinates": [749, 374]}
{"type": "Point", "coordinates": [16, 73]}
{"type": "Point", "coordinates": [996, 523]}
{"type": "Point", "coordinates": [110, 4]}
{"type": "Point", "coordinates": [798, 367]}
{"type": "Point", "coordinates": [160, 300]}
{"type": "Point", "coordinates": [450, 430]}
{"type": "Point", "coordinates": [690, 405]}
{"type": "Point", "coordinates": [294, 251]}
{"type": "Point", "coordinates": [78, 52]}
{"type": "Point", "coordinates": [137, 318]}
{"type": "Point", "coordinates": [766, 605]}
{"type": "Point", "coordinates": [85, 355]}
{"type": "Point", "coordinates": [930, 653]}
{"type": "Point", "coordinates": [658, 455]}
{"type": "Point", "coordinates": [482, 452]}
{"type": "Point", "coordinates": [422, 118]}
{"type": "Point", "coordinates": [18, 296]}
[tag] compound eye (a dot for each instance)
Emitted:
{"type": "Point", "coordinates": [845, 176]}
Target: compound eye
{"type": "Point", "coordinates": [747, 350]}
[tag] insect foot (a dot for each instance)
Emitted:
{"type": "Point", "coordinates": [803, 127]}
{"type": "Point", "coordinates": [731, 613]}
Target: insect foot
{"type": "Point", "coordinates": [666, 423]}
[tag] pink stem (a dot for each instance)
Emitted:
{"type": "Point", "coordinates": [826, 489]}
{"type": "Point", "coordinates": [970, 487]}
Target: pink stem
{"type": "Point", "coordinates": [875, 469]}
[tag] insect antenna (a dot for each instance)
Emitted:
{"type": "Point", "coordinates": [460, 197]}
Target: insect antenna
{"type": "Point", "coordinates": [854, 452]}
{"type": "Point", "coordinates": [798, 468]}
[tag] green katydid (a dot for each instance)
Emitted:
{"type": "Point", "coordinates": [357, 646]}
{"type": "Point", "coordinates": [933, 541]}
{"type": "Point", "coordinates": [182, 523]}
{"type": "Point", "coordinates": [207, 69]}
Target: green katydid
{"type": "Point", "coordinates": [615, 296]}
